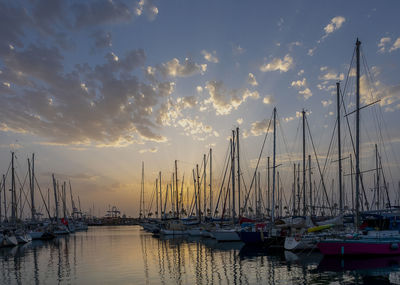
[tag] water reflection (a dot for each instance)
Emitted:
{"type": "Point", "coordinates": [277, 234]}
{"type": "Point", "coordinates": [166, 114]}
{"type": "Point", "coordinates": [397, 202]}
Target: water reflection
{"type": "Point", "coordinates": [128, 255]}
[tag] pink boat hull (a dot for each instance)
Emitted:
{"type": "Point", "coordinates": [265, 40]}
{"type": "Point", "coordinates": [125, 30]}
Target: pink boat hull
{"type": "Point", "coordinates": [356, 247]}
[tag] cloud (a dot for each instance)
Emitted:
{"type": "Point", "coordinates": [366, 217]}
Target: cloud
{"type": "Point", "coordinates": [174, 68]}
{"type": "Point", "coordinates": [294, 44]}
{"type": "Point", "coordinates": [311, 51]}
{"type": "Point", "coordinates": [306, 93]}
{"type": "Point", "coordinates": [299, 83]}
{"type": "Point", "coordinates": [102, 39]}
{"type": "Point", "coordinates": [327, 76]}
{"type": "Point", "coordinates": [93, 13]}
{"type": "Point", "coordinates": [277, 64]}
{"type": "Point", "coordinates": [251, 79]}
{"type": "Point", "coordinates": [11, 146]}
{"type": "Point", "coordinates": [196, 129]}
{"type": "Point", "coordinates": [258, 128]}
{"type": "Point", "coordinates": [326, 103]}
{"type": "Point", "coordinates": [267, 100]}
{"type": "Point", "coordinates": [288, 119]}
{"type": "Point", "coordinates": [330, 74]}
{"type": "Point", "coordinates": [302, 84]}
{"type": "Point", "coordinates": [152, 150]}
{"type": "Point", "coordinates": [280, 23]}
{"type": "Point", "coordinates": [388, 95]}
{"type": "Point", "coordinates": [104, 104]}
{"type": "Point", "coordinates": [224, 100]}
{"type": "Point", "coordinates": [237, 50]}
{"type": "Point", "coordinates": [395, 46]}
{"type": "Point", "coordinates": [210, 57]}
{"type": "Point", "coordinates": [382, 44]}
{"type": "Point", "coordinates": [148, 8]}
{"type": "Point", "coordinates": [335, 24]}
{"type": "Point", "coordinates": [171, 111]}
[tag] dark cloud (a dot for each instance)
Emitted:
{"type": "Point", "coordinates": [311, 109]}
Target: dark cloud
{"type": "Point", "coordinates": [13, 19]}
{"type": "Point", "coordinates": [101, 12]}
{"type": "Point", "coordinates": [49, 15]}
{"type": "Point", "coordinates": [101, 104]}
{"type": "Point", "coordinates": [102, 39]}
{"type": "Point", "coordinates": [104, 104]}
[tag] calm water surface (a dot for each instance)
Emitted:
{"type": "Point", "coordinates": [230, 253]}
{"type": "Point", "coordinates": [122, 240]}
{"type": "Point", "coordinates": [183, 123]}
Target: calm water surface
{"type": "Point", "coordinates": [128, 255]}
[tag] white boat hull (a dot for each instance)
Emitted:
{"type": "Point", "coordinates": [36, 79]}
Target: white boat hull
{"type": "Point", "coordinates": [23, 238]}
{"type": "Point", "coordinates": [172, 232]}
{"type": "Point", "coordinates": [300, 243]}
{"type": "Point", "coordinates": [10, 240]}
{"type": "Point", "coordinates": [36, 235]}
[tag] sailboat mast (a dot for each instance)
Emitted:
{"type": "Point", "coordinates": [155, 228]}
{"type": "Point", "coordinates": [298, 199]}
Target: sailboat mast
{"type": "Point", "coordinates": [233, 175]}
{"type": "Point", "coordinates": [142, 209]}
{"type": "Point", "coordinates": [198, 192]}
{"type": "Point", "coordinates": [304, 161]}
{"type": "Point", "coordinates": [30, 185]}
{"type": "Point", "coordinates": [205, 185]}
{"type": "Point", "coordinates": [273, 171]}
{"type": "Point", "coordinates": [294, 189]}
{"type": "Point", "coordinates": [279, 196]}
{"type": "Point", "coordinates": [13, 191]}
{"type": "Point", "coordinates": [255, 194]}
{"type": "Point", "coordinates": [161, 211]}
{"type": "Point", "coordinates": [33, 210]}
{"type": "Point", "coordinates": [176, 189]}
{"type": "Point", "coordinates": [55, 196]}
{"type": "Point", "coordinates": [64, 197]}
{"type": "Point", "coordinates": [195, 197]}
{"type": "Point", "coordinates": [156, 198]}
{"type": "Point", "coordinates": [238, 168]}
{"type": "Point", "coordinates": [72, 200]}
{"type": "Point", "coordinates": [377, 178]}
{"type": "Point", "coordinates": [268, 189]}
{"type": "Point", "coordinates": [339, 148]}
{"type": "Point", "coordinates": [211, 203]}
{"type": "Point", "coordinates": [309, 179]}
{"type": "Point", "coordinates": [4, 200]}
{"type": "Point", "coordinates": [357, 221]}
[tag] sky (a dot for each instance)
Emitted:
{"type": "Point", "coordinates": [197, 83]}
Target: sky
{"type": "Point", "coordinates": [94, 88]}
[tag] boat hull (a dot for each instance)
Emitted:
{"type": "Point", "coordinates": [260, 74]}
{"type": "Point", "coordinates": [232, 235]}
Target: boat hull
{"type": "Point", "coordinates": [172, 232]}
{"type": "Point", "coordinates": [194, 232]}
{"type": "Point", "coordinates": [226, 235]}
{"type": "Point", "coordinates": [253, 237]}
{"type": "Point", "coordinates": [24, 238]}
{"type": "Point", "coordinates": [10, 240]}
{"type": "Point", "coordinates": [360, 247]}
{"type": "Point", "coordinates": [36, 235]}
{"type": "Point", "coordinates": [299, 243]}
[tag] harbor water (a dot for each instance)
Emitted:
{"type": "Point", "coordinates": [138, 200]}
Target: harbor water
{"type": "Point", "coordinates": [128, 255]}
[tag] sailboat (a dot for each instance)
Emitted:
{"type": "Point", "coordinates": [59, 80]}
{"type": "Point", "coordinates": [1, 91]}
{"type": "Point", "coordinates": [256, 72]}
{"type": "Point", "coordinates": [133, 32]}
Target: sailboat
{"type": "Point", "coordinates": [307, 236]}
{"type": "Point", "coordinates": [373, 242]}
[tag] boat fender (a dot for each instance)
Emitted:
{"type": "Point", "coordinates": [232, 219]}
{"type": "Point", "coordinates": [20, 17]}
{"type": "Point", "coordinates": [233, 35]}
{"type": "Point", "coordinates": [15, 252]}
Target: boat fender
{"type": "Point", "coordinates": [394, 246]}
